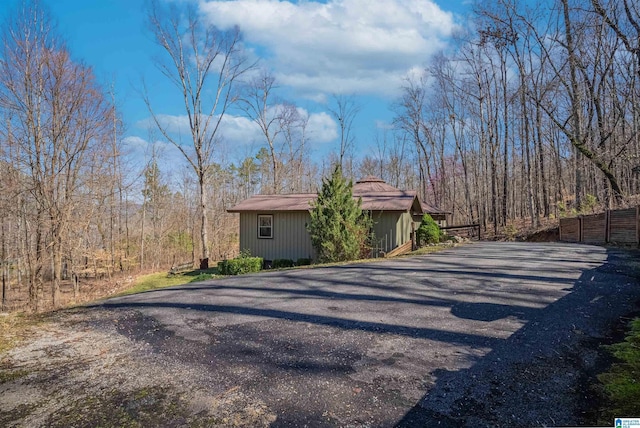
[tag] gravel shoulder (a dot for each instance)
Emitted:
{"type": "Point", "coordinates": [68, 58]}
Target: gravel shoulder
{"type": "Point", "coordinates": [487, 334]}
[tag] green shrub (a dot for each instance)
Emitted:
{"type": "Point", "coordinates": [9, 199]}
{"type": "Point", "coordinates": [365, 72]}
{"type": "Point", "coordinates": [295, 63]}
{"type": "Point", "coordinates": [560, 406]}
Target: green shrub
{"type": "Point", "coordinates": [303, 262]}
{"type": "Point", "coordinates": [240, 265]}
{"type": "Point", "coordinates": [429, 231]}
{"type": "Point", "coordinates": [621, 383]}
{"type": "Point", "coordinates": [589, 204]}
{"type": "Point", "coordinates": [282, 263]}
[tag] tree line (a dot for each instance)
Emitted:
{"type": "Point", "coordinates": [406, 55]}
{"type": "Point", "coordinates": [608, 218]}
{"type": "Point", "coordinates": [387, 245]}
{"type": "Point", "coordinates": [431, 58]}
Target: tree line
{"type": "Point", "coordinates": [533, 113]}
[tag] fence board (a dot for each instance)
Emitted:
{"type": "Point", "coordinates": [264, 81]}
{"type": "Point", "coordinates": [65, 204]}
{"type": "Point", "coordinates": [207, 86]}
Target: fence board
{"type": "Point", "coordinates": [615, 226]}
{"type": "Point", "coordinates": [594, 229]}
{"type": "Point", "coordinates": [570, 229]}
{"type": "Point", "coordinates": [623, 226]}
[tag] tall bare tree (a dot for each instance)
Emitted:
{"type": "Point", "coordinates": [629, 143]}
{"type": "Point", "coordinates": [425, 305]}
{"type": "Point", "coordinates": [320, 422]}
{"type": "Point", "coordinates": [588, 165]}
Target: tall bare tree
{"type": "Point", "coordinates": [204, 64]}
{"type": "Point", "coordinates": [345, 111]}
{"type": "Point", "coordinates": [57, 116]}
{"type": "Point", "coordinates": [623, 17]}
{"type": "Point", "coordinates": [261, 106]}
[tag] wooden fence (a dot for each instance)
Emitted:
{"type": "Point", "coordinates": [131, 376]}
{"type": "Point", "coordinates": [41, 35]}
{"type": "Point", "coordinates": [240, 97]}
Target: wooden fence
{"type": "Point", "coordinates": [472, 229]}
{"type": "Point", "coordinates": [612, 226]}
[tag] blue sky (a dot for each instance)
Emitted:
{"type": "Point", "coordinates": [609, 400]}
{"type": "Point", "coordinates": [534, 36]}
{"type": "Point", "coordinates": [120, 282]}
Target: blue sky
{"type": "Point", "coordinates": [315, 49]}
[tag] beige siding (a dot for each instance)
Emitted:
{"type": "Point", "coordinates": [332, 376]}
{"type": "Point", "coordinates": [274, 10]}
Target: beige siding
{"type": "Point", "coordinates": [290, 237]}
{"type": "Point", "coordinates": [404, 228]}
{"type": "Point", "coordinates": [384, 228]}
{"type": "Point", "coordinates": [392, 228]}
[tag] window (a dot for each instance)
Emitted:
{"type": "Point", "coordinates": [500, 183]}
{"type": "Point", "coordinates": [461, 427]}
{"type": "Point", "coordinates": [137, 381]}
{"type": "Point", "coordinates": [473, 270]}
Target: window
{"type": "Point", "coordinates": [265, 226]}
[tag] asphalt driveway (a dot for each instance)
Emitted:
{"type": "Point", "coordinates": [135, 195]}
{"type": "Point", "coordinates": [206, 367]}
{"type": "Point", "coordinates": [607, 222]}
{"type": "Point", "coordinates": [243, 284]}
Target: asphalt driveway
{"type": "Point", "coordinates": [487, 334]}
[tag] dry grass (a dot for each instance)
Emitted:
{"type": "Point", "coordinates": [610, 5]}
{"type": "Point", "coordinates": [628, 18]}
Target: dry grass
{"type": "Point", "coordinates": [153, 281]}
{"type": "Point", "coordinates": [14, 328]}
{"type": "Point", "coordinates": [429, 249]}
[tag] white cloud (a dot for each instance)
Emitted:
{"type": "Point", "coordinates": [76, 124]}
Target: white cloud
{"type": "Point", "coordinates": [135, 143]}
{"type": "Point", "coordinates": [341, 46]}
{"type": "Point", "coordinates": [322, 128]}
{"type": "Point", "coordinates": [234, 128]}
{"type": "Point", "coordinates": [177, 126]}
{"type": "Point", "coordinates": [140, 149]}
{"type": "Point", "coordinates": [237, 130]}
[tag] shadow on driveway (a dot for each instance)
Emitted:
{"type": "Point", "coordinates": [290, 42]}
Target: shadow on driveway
{"type": "Point", "coordinates": [306, 352]}
{"type": "Point", "coordinates": [540, 375]}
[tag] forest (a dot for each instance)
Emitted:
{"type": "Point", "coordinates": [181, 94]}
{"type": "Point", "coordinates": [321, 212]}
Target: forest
{"type": "Point", "coordinates": [532, 114]}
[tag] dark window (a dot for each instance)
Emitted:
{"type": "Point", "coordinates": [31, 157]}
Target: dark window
{"type": "Point", "coordinates": [265, 226]}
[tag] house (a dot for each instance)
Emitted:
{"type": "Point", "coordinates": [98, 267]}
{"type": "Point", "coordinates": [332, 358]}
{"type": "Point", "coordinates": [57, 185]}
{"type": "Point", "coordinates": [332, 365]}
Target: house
{"type": "Point", "coordinates": [275, 226]}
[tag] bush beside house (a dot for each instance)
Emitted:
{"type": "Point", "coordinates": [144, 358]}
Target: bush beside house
{"type": "Point", "coordinates": [240, 265]}
{"type": "Point", "coordinates": [429, 232]}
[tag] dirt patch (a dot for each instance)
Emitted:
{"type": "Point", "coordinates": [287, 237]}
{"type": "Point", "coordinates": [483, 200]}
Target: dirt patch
{"type": "Point", "coordinates": [70, 374]}
{"type": "Point", "coordinates": [544, 235]}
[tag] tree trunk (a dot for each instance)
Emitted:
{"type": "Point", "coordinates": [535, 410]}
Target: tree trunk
{"type": "Point", "coordinates": [204, 225]}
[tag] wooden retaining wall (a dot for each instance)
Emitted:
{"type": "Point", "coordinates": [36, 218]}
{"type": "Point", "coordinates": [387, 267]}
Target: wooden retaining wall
{"type": "Point", "coordinates": [594, 229]}
{"type": "Point", "coordinates": [623, 226]}
{"type": "Point", "coordinates": [571, 229]}
{"type": "Point", "coordinates": [612, 226]}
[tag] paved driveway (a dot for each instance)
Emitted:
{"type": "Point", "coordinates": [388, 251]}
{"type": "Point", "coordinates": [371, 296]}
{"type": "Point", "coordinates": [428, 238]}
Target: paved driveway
{"type": "Point", "coordinates": [486, 334]}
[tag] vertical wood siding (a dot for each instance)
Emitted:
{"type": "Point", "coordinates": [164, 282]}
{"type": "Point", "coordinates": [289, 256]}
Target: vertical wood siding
{"type": "Point", "coordinates": [392, 228]}
{"type": "Point", "coordinates": [384, 228]}
{"type": "Point", "coordinates": [404, 228]}
{"type": "Point", "coordinates": [290, 237]}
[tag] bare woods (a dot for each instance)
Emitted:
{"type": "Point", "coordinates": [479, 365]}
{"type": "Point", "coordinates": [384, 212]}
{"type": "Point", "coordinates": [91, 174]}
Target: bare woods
{"type": "Point", "coordinates": [530, 113]}
{"type": "Point", "coordinates": [534, 114]}
{"type": "Point", "coordinates": [57, 146]}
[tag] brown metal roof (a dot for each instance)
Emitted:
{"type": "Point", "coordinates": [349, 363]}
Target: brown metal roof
{"type": "Point", "coordinates": [292, 202]}
{"type": "Point", "coordinates": [432, 209]}
{"type": "Point", "coordinates": [371, 184]}
{"type": "Point", "coordinates": [387, 201]}
{"type": "Point", "coordinates": [382, 201]}
{"type": "Point", "coordinates": [375, 193]}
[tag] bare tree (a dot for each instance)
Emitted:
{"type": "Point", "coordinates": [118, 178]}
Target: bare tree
{"type": "Point", "coordinates": [199, 60]}
{"type": "Point", "coordinates": [410, 119]}
{"type": "Point", "coordinates": [625, 23]}
{"type": "Point", "coordinates": [57, 115]}
{"type": "Point", "coordinates": [260, 105]}
{"type": "Point", "coordinates": [294, 125]}
{"type": "Point", "coordinates": [345, 111]}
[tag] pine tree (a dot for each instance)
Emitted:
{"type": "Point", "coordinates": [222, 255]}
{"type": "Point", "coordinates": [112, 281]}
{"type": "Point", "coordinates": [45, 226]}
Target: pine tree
{"type": "Point", "coordinates": [429, 232]}
{"type": "Point", "coordinates": [338, 227]}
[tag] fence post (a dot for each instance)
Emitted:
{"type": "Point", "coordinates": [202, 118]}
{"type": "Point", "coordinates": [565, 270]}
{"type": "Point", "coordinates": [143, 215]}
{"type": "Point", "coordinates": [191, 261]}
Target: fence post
{"type": "Point", "coordinates": [580, 229]}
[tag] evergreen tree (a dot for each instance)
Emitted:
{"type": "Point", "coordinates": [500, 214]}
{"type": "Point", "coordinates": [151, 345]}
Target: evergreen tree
{"type": "Point", "coordinates": [429, 232]}
{"type": "Point", "coordinates": [338, 227]}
